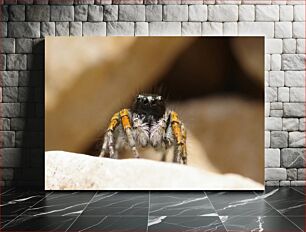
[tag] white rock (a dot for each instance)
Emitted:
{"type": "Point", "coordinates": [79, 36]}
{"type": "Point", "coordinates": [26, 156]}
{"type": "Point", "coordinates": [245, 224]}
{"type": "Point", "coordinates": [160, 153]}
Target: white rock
{"type": "Point", "coordinates": [283, 94]}
{"type": "Point", "coordinates": [267, 62]}
{"type": "Point", "coordinates": [294, 109]}
{"type": "Point", "coordinates": [197, 13]}
{"type": "Point", "coordinates": [298, 30]}
{"type": "Point", "coordinates": [276, 62]}
{"type": "Point", "coordinates": [246, 13]}
{"type": "Point", "coordinates": [272, 158]}
{"type": "Point", "coordinates": [191, 28]}
{"type": "Point", "coordinates": [277, 78]}
{"type": "Point", "coordinates": [71, 171]}
{"type": "Point", "coordinates": [164, 28]}
{"type": "Point", "coordinates": [271, 94]}
{"type": "Point", "coordinates": [273, 46]}
{"type": "Point", "coordinates": [120, 28]}
{"type": "Point", "coordinates": [131, 13]}
{"type": "Point", "coordinates": [302, 124]}
{"type": "Point", "coordinates": [267, 109]}
{"type": "Point", "coordinates": [297, 94]}
{"type": "Point", "coordinates": [175, 13]}
{"type": "Point", "coordinates": [222, 13]}
{"type": "Point", "coordinates": [283, 30]}
{"type": "Point", "coordinates": [230, 28]}
{"type": "Point", "coordinates": [295, 78]}
{"type": "Point", "coordinates": [286, 13]}
{"type": "Point", "coordinates": [211, 28]}
{"type": "Point", "coordinates": [94, 28]}
{"type": "Point", "coordinates": [276, 106]}
{"type": "Point", "coordinates": [293, 61]}
{"type": "Point", "coordinates": [296, 139]}
{"type": "Point", "coordinates": [300, 47]}
{"type": "Point", "coordinates": [299, 13]}
{"type": "Point", "coordinates": [256, 28]}
{"type": "Point", "coordinates": [273, 123]}
{"type": "Point", "coordinates": [154, 13]}
{"type": "Point", "coordinates": [141, 29]}
{"type": "Point", "coordinates": [267, 139]}
{"type": "Point", "coordinates": [289, 45]}
{"type": "Point", "coordinates": [290, 124]}
{"type": "Point", "coordinates": [267, 13]}
{"type": "Point", "coordinates": [275, 174]}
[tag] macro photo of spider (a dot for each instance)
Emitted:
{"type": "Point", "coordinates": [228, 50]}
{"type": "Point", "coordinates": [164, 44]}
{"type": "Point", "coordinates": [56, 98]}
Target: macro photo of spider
{"type": "Point", "coordinates": [148, 123]}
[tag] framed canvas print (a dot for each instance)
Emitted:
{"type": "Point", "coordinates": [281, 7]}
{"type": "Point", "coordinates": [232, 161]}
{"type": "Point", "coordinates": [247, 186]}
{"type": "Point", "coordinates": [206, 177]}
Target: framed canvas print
{"type": "Point", "coordinates": [154, 113]}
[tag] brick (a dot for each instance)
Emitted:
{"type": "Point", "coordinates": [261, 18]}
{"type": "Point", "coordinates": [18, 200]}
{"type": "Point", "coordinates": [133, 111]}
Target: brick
{"type": "Point", "coordinates": [4, 15]}
{"type": "Point", "coordinates": [191, 28]}
{"type": "Point", "coordinates": [283, 94]}
{"type": "Point", "coordinates": [80, 12]}
{"type": "Point", "coordinates": [16, 62]}
{"type": "Point", "coordinates": [272, 158]}
{"type": "Point", "coordinates": [24, 29]}
{"type": "Point", "coordinates": [300, 47]}
{"type": "Point", "coordinates": [276, 113]}
{"type": "Point", "coordinates": [83, 2]}
{"type": "Point", "coordinates": [230, 29]}
{"type": "Point", "coordinates": [194, 2]}
{"type": "Point", "coordinates": [164, 28]}
{"type": "Point", "coordinates": [267, 13]}
{"type": "Point", "coordinates": [267, 109]}
{"type": "Point", "coordinates": [141, 29]}
{"type": "Point", "coordinates": [23, 45]}
{"type": "Point", "coordinates": [197, 13]}
{"type": "Point", "coordinates": [47, 29]}
{"type": "Point", "coordinates": [11, 109]}
{"type": "Point", "coordinates": [62, 28]}
{"type": "Point", "coordinates": [148, 2]}
{"type": "Point", "coordinates": [9, 78]}
{"type": "Point", "coordinates": [110, 13]}
{"type": "Point", "coordinates": [295, 78]}
{"type": "Point", "coordinates": [174, 2]}
{"type": "Point", "coordinates": [246, 13]}
{"type": "Point", "coordinates": [9, 94]}
{"type": "Point", "coordinates": [302, 124]}
{"type": "Point", "coordinates": [3, 31]}
{"type": "Point", "coordinates": [75, 29]}
{"type": "Point", "coordinates": [17, 13]}
{"type": "Point", "coordinates": [131, 13]}
{"type": "Point", "coordinates": [284, 183]}
{"type": "Point", "coordinates": [276, 62]}
{"type": "Point", "coordinates": [291, 174]}
{"type": "Point", "coordinates": [276, 106]}
{"type": "Point", "coordinates": [273, 46]}
{"type": "Point", "coordinates": [279, 139]}
{"type": "Point", "coordinates": [267, 139]}
{"type": "Point", "coordinates": [267, 61]}
{"type": "Point", "coordinates": [11, 157]}
{"type": "Point", "coordinates": [294, 110]}
{"type": "Point", "coordinates": [94, 28]}
{"type": "Point", "coordinates": [175, 13]}
{"type": "Point", "coordinates": [222, 13]}
{"type": "Point", "coordinates": [8, 138]}
{"type": "Point", "coordinates": [39, 13]}
{"type": "Point", "coordinates": [290, 124]}
{"type": "Point", "coordinates": [18, 123]}
{"type": "Point", "coordinates": [256, 28]}
{"type": "Point", "coordinates": [293, 157]}
{"type": "Point", "coordinates": [275, 174]}
{"type": "Point", "coordinates": [298, 30]}
{"type": "Point", "coordinates": [289, 45]}
{"type": "Point", "coordinates": [299, 13]}
{"type": "Point", "coordinates": [2, 62]}
{"type": "Point", "coordinates": [301, 174]}
{"type": "Point", "coordinates": [297, 183]}
{"type": "Point", "coordinates": [297, 94]}
{"type": "Point", "coordinates": [212, 28]}
{"type": "Point", "coordinates": [120, 28]}
{"type": "Point", "coordinates": [128, 2]}
{"type": "Point", "coordinates": [95, 13]}
{"type": "Point", "coordinates": [62, 13]}
{"type": "Point", "coordinates": [230, 2]}
{"type": "Point", "coordinates": [274, 182]}
{"type": "Point", "coordinates": [286, 13]}
{"type": "Point", "coordinates": [296, 139]}
{"type": "Point", "coordinates": [283, 30]}
{"type": "Point", "coordinates": [271, 94]}
{"type": "Point", "coordinates": [60, 2]}
{"type": "Point", "coordinates": [277, 78]}
{"type": "Point", "coordinates": [7, 45]}
{"type": "Point", "coordinates": [154, 13]}
{"type": "Point", "coordinates": [103, 2]}
{"type": "Point", "coordinates": [273, 123]}
{"type": "Point", "coordinates": [293, 61]}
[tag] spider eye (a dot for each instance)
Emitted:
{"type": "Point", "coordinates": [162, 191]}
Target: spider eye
{"type": "Point", "coordinates": [145, 101]}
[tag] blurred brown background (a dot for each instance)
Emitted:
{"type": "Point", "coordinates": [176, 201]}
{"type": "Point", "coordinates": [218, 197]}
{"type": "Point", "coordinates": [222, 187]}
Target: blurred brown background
{"type": "Point", "coordinates": [216, 84]}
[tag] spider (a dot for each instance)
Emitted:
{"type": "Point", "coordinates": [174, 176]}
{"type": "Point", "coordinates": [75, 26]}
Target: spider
{"type": "Point", "coordinates": [147, 123]}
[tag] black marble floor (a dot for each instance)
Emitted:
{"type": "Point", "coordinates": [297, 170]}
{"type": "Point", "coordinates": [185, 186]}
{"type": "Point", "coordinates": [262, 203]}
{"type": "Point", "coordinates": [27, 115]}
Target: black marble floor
{"type": "Point", "coordinates": [276, 209]}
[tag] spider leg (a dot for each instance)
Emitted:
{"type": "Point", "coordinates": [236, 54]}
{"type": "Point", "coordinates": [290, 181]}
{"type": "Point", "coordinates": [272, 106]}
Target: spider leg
{"type": "Point", "coordinates": [125, 119]}
{"type": "Point", "coordinates": [179, 133]}
{"type": "Point", "coordinates": [108, 143]}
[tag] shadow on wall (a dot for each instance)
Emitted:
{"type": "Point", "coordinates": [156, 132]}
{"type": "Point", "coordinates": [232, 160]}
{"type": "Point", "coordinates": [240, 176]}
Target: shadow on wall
{"type": "Point", "coordinates": [32, 138]}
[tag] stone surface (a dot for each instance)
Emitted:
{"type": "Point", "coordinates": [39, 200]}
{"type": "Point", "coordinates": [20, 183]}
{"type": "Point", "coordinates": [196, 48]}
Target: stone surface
{"type": "Point", "coordinates": [164, 28]}
{"type": "Point", "coordinates": [94, 28]}
{"type": "Point", "coordinates": [67, 171]}
{"type": "Point", "coordinates": [298, 183]}
{"type": "Point", "coordinates": [16, 62]}
{"type": "Point", "coordinates": [39, 13]}
{"type": "Point", "coordinates": [275, 174]}
{"type": "Point", "coordinates": [267, 13]}
{"type": "Point", "coordinates": [283, 30]}
{"type": "Point", "coordinates": [131, 13]}
{"type": "Point", "coordinates": [8, 139]}
{"type": "Point", "coordinates": [297, 94]}
{"type": "Point", "coordinates": [279, 139]}
{"type": "Point", "coordinates": [277, 78]}
{"type": "Point", "coordinates": [272, 158]}
{"type": "Point", "coordinates": [24, 45]}
{"type": "Point", "coordinates": [11, 109]}
{"type": "Point", "coordinates": [8, 45]}
{"type": "Point", "coordinates": [120, 29]}
{"type": "Point", "coordinates": [273, 123]}
{"type": "Point", "coordinates": [230, 29]}
{"type": "Point", "coordinates": [294, 109]}
{"type": "Point", "coordinates": [23, 29]}
{"type": "Point", "coordinates": [293, 61]}
{"type": "Point", "coordinates": [221, 13]}
{"type": "Point", "coordinates": [110, 13]}
{"type": "Point", "coordinates": [95, 13]}
{"type": "Point", "coordinates": [175, 13]}
{"type": "Point", "coordinates": [11, 157]}
{"type": "Point", "coordinates": [9, 78]}
{"type": "Point", "coordinates": [300, 46]}
{"type": "Point", "coordinates": [256, 28]}
{"type": "Point", "coordinates": [289, 45]}
{"type": "Point", "coordinates": [246, 13]}
{"type": "Point", "coordinates": [296, 139]}
{"type": "Point", "coordinates": [9, 94]}
{"type": "Point", "coordinates": [141, 29]}
{"type": "Point", "coordinates": [62, 13]}
{"type": "Point", "coordinates": [292, 174]}
{"type": "Point", "coordinates": [290, 124]}
{"type": "Point", "coordinates": [293, 157]}
{"type": "Point", "coordinates": [62, 28]}
{"type": "Point", "coordinates": [301, 174]}
{"type": "Point", "coordinates": [197, 13]}
{"type": "Point", "coordinates": [17, 13]}
{"type": "Point", "coordinates": [47, 29]}
{"type": "Point", "coordinates": [295, 78]}
{"type": "Point", "coordinates": [298, 30]}
{"type": "Point", "coordinates": [299, 13]}
{"type": "Point", "coordinates": [75, 29]}
{"type": "Point", "coordinates": [286, 13]}
{"type": "Point", "coordinates": [212, 29]}
{"type": "Point", "coordinates": [273, 46]}
{"type": "Point", "coordinates": [276, 62]}
{"type": "Point", "coordinates": [271, 94]}
{"type": "Point", "coordinates": [80, 13]}
{"type": "Point", "coordinates": [154, 13]}
{"type": "Point", "coordinates": [191, 28]}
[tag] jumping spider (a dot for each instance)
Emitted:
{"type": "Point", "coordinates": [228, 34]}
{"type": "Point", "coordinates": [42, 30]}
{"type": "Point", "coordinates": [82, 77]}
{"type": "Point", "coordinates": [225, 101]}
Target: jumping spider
{"type": "Point", "coordinates": [147, 123]}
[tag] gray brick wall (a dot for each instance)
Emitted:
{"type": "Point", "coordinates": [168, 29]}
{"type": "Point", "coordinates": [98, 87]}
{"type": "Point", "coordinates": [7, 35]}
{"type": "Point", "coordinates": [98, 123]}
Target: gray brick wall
{"type": "Point", "coordinates": [24, 24]}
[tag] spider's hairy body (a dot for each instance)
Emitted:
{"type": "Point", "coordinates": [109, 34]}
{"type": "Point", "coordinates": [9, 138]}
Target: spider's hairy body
{"type": "Point", "coordinates": [147, 123]}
